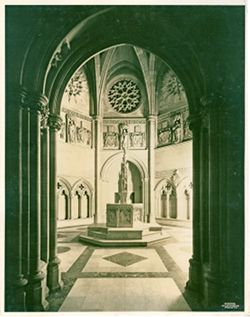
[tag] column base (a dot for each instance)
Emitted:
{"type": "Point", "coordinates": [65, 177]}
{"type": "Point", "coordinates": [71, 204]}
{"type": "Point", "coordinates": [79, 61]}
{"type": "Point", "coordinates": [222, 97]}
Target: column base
{"type": "Point", "coordinates": [36, 293]}
{"type": "Point", "coordinates": [212, 291]}
{"type": "Point", "coordinates": [15, 296]}
{"type": "Point", "coordinates": [44, 281]}
{"type": "Point", "coordinates": [194, 283]}
{"type": "Point", "coordinates": [54, 281]}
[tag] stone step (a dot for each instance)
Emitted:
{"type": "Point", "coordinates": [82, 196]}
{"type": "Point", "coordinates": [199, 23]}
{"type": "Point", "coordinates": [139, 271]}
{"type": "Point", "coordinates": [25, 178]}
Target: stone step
{"type": "Point", "coordinates": [101, 228]}
{"type": "Point", "coordinates": [112, 243]}
{"type": "Point", "coordinates": [116, 233]}
{"type": "Point", "coordinates": [97, 234]}
{"type": "Point", "coordinates": [144, 242]}
{"type": "Point", "coordinates": [150, 233]}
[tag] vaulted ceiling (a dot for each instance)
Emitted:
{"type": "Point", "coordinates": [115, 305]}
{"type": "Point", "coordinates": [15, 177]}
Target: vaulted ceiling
{"type": "Point", "coordinates": [125, 80]}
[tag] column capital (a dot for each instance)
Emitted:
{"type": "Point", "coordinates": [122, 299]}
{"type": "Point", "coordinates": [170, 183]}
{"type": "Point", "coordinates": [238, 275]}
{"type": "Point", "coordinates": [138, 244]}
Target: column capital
{"type": "Point", "coordinates": [54, 122]}
{"type": "Point", "coordinates": [33, 101]}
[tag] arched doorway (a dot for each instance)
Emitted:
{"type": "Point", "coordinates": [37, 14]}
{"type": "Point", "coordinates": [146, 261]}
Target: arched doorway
{"type": "Point", "coordinates": [53, 70]}
{"type": "Point", "coordinates": [60, 70]}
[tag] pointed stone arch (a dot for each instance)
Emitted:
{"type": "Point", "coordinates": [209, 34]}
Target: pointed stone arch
{"type": "Point", "coordinates": [63, 199]}
{"type": "Point", "coordinates": [82, 191]}
{"type": "Point", "coordinates": [118, 157]}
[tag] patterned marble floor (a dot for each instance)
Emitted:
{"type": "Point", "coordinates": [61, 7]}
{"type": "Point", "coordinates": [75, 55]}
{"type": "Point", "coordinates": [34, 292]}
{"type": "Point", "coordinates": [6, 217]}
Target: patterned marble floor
{"type": "Point", "coordinates": [123, 279]}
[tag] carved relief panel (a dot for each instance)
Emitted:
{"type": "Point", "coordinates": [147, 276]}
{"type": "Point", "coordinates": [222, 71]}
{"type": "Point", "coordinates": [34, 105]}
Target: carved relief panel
{"type": "Point", "coordinates": [110, 136]}
{"type": "Point", "coordinates": [76, 128]}
{"type": "Point", "coordinates": [119, 134]}
{"type": "Point", "coordinates": [173, 127]}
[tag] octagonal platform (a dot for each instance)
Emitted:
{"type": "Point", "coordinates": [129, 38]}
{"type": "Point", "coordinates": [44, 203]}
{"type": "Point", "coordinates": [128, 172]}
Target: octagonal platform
{"type": "Point", "coordinates": [140, 235]}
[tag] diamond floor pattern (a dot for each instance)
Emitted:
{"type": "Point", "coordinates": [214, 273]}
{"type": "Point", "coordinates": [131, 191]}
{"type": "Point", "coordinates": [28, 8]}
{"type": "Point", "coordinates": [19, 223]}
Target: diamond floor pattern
{"type": "Point", "coordinates": [125, 258]}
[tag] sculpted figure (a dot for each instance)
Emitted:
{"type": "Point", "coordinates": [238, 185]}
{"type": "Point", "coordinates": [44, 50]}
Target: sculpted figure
{"type": "Point", "coordinates": [123, 136]}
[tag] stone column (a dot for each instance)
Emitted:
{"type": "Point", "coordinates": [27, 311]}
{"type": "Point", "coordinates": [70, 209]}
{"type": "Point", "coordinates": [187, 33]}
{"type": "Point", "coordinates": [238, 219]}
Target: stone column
{"type": "Point", "coordinates": [151, 166]}
{"type": "Point", "coordinates": [212, 274]}
{"type": "Point", "coordinates": [25, 182]}
{"type": "Point", "coordinates": [97, 145]}
{"type": "Point", "coordinates": [35, 289]}
{"type": "Point", "coordinates": [16, 281]}
{"type": "Point", "coordinates": [195, 281]}
{"type": "Point", "coordinates": [45, 194]}
{"type": "Point", "coordinates": [204, 190]}
{"type": "Point", "coordinates": [54, 277]}
{"type": "Point", "coordinates": [80, 206]}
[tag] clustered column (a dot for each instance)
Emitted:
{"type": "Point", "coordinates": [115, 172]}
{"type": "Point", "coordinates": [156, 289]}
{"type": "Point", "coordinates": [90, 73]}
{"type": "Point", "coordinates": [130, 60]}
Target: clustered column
{"type": "Point", "coordinates": [35, 300]}
{"type": "Point", "coordinates": [54, 279]}
{"type": "Point", "coordinates": [205, 272]}
{"type": "Point", "coordinates": [35, 217]}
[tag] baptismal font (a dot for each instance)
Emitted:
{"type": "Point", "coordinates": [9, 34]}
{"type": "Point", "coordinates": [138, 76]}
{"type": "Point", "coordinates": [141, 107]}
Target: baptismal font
{"type": "Point", "coordinates": [122, 227]}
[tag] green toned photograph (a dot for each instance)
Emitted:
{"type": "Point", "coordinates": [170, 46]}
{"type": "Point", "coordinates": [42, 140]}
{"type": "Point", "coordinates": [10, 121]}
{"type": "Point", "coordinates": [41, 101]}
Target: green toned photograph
{"type": "Point", "coordinates": [124, 158]}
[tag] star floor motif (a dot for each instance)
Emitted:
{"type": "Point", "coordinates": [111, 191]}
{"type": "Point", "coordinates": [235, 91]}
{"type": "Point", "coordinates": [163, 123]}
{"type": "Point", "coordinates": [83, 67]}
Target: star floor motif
{"type": "Point", "coordinates": [125, 258]}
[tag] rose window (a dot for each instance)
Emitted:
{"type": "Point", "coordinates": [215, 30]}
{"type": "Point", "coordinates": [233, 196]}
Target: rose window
{"type": "Point", "coordinates": [124, 96]}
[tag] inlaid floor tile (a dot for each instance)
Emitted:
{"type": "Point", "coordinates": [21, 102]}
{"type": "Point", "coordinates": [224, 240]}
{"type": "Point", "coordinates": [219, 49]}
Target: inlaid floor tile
{"type": "Point", "coordinates": [128, 260]}
{"type": "Point", "coordinates": [124, 258]}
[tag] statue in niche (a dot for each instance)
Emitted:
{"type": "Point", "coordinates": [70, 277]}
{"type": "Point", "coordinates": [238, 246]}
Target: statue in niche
{"type": "Point", "coordinates": [72, 131]}
{"type": "Point", "coordinates": [123, 129]}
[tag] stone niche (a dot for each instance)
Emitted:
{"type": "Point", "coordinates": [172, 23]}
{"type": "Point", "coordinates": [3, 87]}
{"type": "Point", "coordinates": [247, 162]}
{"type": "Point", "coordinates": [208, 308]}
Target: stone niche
{"type": "Point", "coordinates": [119, 215]}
